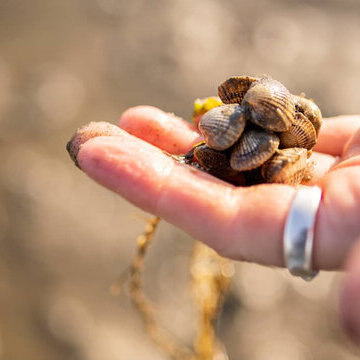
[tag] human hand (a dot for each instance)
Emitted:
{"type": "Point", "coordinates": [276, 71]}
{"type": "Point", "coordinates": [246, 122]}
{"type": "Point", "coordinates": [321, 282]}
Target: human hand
{"type": "Point", "coordinates": [240, 223]}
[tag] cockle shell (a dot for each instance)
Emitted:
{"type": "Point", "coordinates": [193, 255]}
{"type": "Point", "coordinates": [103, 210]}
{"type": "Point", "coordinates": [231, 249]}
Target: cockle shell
{"type": "Point", "coordinates": [271, 105]}
{"type": "Point", "coordinates": [222, 126]}
{"type": "Point", "coordinates": [287, 166]}
{"type": "Point", "coordinates": [301, 134]}
{"type": "Point", "coordinates": [232, 90]}
{"type": "Point", "coordinates": [215, 162]}
{"type": "Point", "coordinates": [261, 133]}
{"type": "Point", "coordinates": [253, 149]}
{"type": "Point", "coordinates": [310, 110]}
{"type": "Point", "coordinates": [202, 106]}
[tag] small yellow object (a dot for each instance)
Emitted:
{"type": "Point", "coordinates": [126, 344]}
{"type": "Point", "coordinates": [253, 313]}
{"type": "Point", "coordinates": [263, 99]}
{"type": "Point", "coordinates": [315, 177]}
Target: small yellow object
{"type": "Point", "coordinates": [201, 106]}
{"type": "Point", "coordinates": [199, 143]}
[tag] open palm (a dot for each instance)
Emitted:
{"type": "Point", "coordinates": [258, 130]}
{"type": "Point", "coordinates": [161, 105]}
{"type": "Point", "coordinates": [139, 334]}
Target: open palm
{"type": "Point", "coordinates": [240, 223]}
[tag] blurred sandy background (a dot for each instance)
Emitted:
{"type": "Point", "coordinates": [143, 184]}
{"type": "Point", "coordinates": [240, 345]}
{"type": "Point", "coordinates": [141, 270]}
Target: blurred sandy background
{"type": "Point", "coordinates": [64, 239]}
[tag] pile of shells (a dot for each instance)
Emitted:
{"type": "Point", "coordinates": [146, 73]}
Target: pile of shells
{"type": "Point", "coordinates": [260, 134]}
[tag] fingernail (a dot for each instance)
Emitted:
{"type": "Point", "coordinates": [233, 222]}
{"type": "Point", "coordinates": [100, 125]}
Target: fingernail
{"type": "Point", "coordinates": [87, 132]}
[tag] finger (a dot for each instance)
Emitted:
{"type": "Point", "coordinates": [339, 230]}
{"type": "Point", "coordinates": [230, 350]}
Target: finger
{"type": "Point", "coordinates": [242, 223]}
{"type": "Point", "coordinates": [164, 130]}
{"type": "Point", "coordinates": [351, 153]}
{"type": "Point", "coordinates": [352, 147]}
{"type": "Point", "coordinates": [350, 295]}
{"type": "Point", "coordinates": [319, 164]}
{"type": "Point", "coordinates": [335, 132]}
{"type": "Point", "coordinates": [338, 216]}
{"type": "Point", "coordinates": [158, 127]}
{"type": "Point", "coordinates": [87, 132]}
{"type": "Point", "coordinates": [176, 136]}
{"type": "Point", "coordinates": [341, 207]}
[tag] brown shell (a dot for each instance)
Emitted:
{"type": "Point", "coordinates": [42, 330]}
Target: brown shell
{"type": "Point", "coordinates": [253, 149]}
{"type": "Point", "coordinates": [301, 134]}
{"type": "Point", "coordinates": [232, 90]}
{"type": "Point", "coordinates": [271, 105]}
{"type": "Point", "coordinates": [253, 177]}
{"type": "Point", "coordinates": [310, 110]}
{"type": "Point", "coordinates": [222, 126]}
{"type": "Point", "coordinates": [287, 166]}
{"type": "Point", "coordinates": [212, 161]}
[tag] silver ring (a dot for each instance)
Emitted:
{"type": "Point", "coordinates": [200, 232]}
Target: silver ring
{"type": "Point", "coordinates": [299, 232]}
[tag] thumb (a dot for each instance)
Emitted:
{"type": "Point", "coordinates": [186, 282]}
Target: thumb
{"type": "Point", "coordinates": [350, 294]}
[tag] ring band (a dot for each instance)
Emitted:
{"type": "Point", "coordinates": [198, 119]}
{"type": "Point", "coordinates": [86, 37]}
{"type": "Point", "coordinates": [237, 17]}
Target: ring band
{"type": "Point", "coordinates": [299, 232]}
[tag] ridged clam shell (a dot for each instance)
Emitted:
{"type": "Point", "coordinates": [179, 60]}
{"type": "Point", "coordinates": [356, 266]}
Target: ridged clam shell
{"type": "Point", "coordinates": [222, 126]}
{"type": "Point", "coordinates": [271, 105]}
{"type": "Point", "coordinates": [301, 134]}
{"type": "Point", "coordinates": [253, 149]}
{"type": "Point", "coordinates": [310, 110]}
{"type": "Point", "coordinates": [212, 161]}
{"type": "Point", "coordinates": [287, 166]}
{"type": "Point", "coordinates": [232, 90]}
